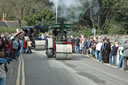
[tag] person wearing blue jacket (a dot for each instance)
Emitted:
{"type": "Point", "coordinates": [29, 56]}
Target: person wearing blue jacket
{"type": "Point", "coordinates": [2, 63]}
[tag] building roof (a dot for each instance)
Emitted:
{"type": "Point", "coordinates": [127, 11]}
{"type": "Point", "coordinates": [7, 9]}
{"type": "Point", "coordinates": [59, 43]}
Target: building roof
{"type": "Point", "coordinates": [13, 24]}
{"type": "Point", "coordinates": [3, 24]}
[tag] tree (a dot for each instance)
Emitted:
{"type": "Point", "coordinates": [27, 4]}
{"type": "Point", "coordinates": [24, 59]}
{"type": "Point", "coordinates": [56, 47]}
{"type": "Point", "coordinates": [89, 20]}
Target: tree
{"type": "Point", "coordinates": [111, 12]}
{"type": "Point", "coordinates": [46, 16]}
{"type": "Point", "coordinates": [21, 8]}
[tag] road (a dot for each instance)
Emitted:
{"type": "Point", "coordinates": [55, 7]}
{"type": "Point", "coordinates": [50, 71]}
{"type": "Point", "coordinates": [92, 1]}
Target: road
{"type": "Point", "coordinates": [36, 69]}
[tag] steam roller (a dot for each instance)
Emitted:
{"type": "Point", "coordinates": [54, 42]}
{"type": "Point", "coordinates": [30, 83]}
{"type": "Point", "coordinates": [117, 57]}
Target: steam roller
{"type": "Point", "coordinates": [33, 32]}
{"type": "Point", "coordinates": [59, 50]}
{"type": "Point", "coordinates": [58, 47]}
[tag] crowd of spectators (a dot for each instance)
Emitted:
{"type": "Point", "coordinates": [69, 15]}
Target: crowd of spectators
{"type": "Point", "coordinates": [11, 47]}
{"type": "Point", "coordinates": [102, 49]}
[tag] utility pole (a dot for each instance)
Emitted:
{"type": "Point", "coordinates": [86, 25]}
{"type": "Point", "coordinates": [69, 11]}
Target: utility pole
{"type": "Point", "coordinates": [56, 10]}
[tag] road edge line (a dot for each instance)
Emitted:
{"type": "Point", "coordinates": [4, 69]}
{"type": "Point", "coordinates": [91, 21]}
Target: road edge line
{"type": "Point", "coordinates": [18, 74]}
{"type": "Point", "coordinates": [23, 73]}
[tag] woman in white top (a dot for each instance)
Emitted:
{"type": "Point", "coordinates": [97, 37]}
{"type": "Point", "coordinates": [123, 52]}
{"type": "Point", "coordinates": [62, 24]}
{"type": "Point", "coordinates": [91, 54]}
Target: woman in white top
{"type": "Point", "coordinates": [121, 60]}
{"type": "Point", "coordinates": [98, 50]}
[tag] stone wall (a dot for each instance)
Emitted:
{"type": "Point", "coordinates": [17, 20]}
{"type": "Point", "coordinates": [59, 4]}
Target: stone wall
{"type": "Point", "coordinates": [114, 37]}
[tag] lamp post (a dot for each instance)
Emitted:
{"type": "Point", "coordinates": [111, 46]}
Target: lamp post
{"type": "Point", "coordinates": [94, 32]}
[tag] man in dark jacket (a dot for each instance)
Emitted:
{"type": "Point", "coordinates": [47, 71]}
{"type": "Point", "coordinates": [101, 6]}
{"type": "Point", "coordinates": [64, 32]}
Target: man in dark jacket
{"type": "Point", "coordinates": [113, 53]}
{"type": "Point", "coordinates": [106, 48]}
{"type": "Point", "coordinates": [77, 45]}
{"type": "Point", "coordinates": [85, 46]}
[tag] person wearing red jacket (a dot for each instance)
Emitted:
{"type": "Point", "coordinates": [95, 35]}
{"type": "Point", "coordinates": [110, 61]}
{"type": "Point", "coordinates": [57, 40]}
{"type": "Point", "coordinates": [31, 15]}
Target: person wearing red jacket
{"type": "Point", "coordinates": [11, 49]}
{"type": "Point", "coordinates": [24, 46]}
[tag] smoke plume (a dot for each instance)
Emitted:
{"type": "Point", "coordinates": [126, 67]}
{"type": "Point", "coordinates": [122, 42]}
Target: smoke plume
{"type": "Point", "coordinates": [72, 9]}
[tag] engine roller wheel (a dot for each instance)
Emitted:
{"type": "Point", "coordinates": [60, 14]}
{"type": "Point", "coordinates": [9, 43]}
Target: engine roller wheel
{"type": "Point", "coordinates": [49, 53]}
{"type": "Point", "coordinates": [60, 56]}
{"type": "Point", "coordinates": [40, 48]}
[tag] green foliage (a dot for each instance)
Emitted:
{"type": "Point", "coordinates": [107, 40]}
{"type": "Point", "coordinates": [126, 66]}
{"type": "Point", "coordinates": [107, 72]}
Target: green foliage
{"type": "Point", "coordinates": [78, 30]}
{"type": "Point", "coordinates": [112, 17]}
{"type": "Point", "coordinates": [115, 28]}
{"type": "Point", "coordinates": [46, 16]}
{"type": "Point", "coordinates": [8, 30]}
{"type": "Point", "coordinates": [74, 33]}
{"type": "Point", "coordinates": [86, 33]}
{"type": "Point", "coordinates": [100, 31]}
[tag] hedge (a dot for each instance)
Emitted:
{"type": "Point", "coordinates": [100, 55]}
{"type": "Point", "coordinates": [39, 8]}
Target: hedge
{"type": "Point", "coordinates": [7, 29]}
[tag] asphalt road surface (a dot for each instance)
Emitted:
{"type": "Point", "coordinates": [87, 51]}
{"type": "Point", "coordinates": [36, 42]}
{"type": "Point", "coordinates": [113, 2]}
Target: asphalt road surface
{"type": "Point", "coordinates": [37, 69]}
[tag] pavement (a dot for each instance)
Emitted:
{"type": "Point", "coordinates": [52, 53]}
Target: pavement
{"type": "Point", "coordinates": [12, 72]}
{"type": "Point", "coordinates": [37, 69]}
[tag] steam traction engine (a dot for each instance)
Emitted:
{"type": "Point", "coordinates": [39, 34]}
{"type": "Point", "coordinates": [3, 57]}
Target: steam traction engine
{"type": "Point", "coordinates": [58, 46]}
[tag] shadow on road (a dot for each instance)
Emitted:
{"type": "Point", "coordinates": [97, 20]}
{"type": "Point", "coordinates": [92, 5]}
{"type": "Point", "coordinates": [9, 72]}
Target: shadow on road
{"type": "Point", "coordinates": [78, 56]}
{"type": "Point", "coordinates": [92, 77]}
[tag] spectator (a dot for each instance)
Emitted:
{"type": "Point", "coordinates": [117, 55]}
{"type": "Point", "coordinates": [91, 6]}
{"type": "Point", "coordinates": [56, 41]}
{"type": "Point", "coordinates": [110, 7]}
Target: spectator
{"type": "Point", "coordinates": [21, 45]}
{"type": "Point", "coordinates": [24, 45]}
{"type": "Point", "coordinates": [113, 53]}
{"type": "Point", "coordinates": [46, 35]}
{"type": "Point", "coordinates": [19, 49]}
{"type": "Point", "coordinates": [12, 37]}
{"type": "Point", "coordinates": [42, 36]}
{"type": "Point", "coordinates": [7, 50]}
{"type": "Point", "coordinates": [103, 49]}
{"type": "Point", "coordinates": [121, 60]}
{"type": "Point", "coordinates": [82, 40]}
{"type": "Point", "coordinates": [68, 38]}
{"type": "Point", "coordinates": [125, 53]}
{"type": "Point", "coordinates": [15, 47]}
{"type": "Point", "coordinates": [2, 45]}
{"type": "Point", "coordinates": [98, 50]}
{"type": "Point", "coordinates": [77, 45]}
{"type": "Point", "coordinates": [2, 65]}
{"type": "Point", "coordinates": [73, 41]}
{"type": "Point", "coordinates": [93, 47]}
{"type": "Point", "coordinates": [11, 49]}
{"type": "Point", "coordinates": [89, 45]}
{"type": "Point", "coordinates": [97, 40]}
{"type": "Point", "coordinates": [85, 46]}
{"type": "Point", "coordinates": [107, 49]}
{"type": "Point", "coordinates": [29, 46]}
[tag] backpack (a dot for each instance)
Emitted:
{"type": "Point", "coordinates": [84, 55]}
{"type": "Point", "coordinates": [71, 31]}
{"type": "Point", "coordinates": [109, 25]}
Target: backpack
{"type": "Point", "coordinates": [19, 47]}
